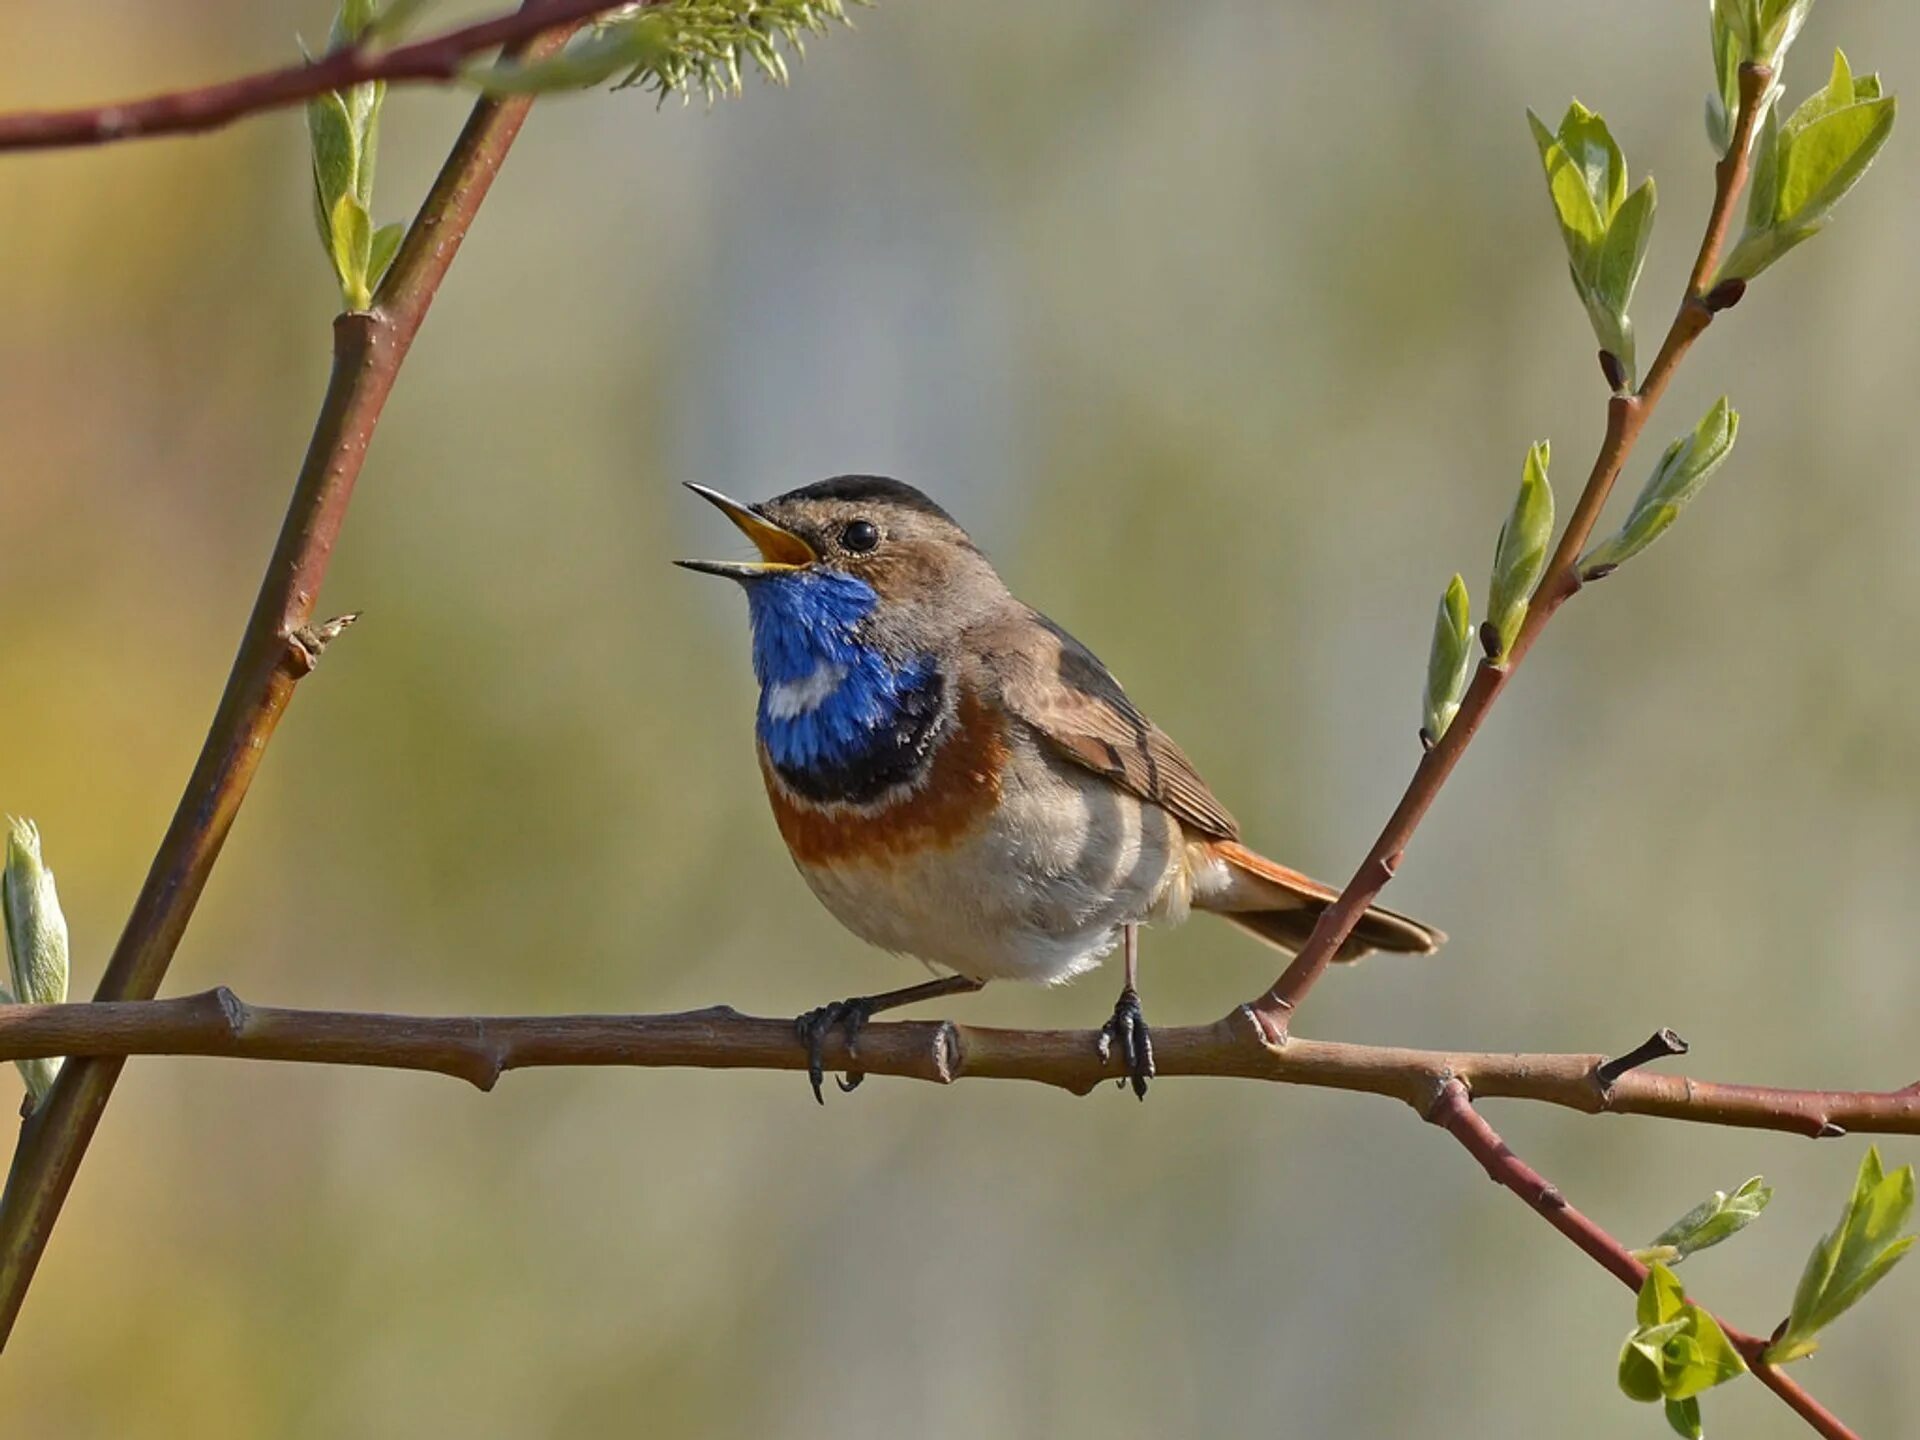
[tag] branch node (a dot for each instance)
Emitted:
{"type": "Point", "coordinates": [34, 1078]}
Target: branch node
{"type": "Point", "coordinates": [233, 1010]}
{"type": "Point", "coordinates": [1269, 1018]}
{"type": "Point", "coordinates": [307, 644]}
{"type": "Point", "coordinates": [949, 1053]}
{"type": "Point", "coordinates": [1658, 1046]}
{"type": "Point", "coordinates": [1829, 1131]}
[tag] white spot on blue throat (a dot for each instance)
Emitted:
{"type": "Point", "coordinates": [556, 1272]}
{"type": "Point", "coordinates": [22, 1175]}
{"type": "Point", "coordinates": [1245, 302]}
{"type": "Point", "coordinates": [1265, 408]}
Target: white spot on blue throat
{"type": "Point", "coordinates": [828, 696]}
{"type": "Point", "coordinates": [788, 698]}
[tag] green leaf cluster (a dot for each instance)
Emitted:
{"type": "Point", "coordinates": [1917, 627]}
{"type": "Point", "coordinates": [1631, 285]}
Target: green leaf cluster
{"type": "Point", "coordinates": [36, 939]}
{"type": "Point", "coordinates": [1804, 166]}
{"type": "Point", "coordinates": [1682, 470]}
{"type": "Point", "coordinates": [1520, 554]}
{"type": "Point", "coordinates": [1606, 229]}
{"type": "Point", "coordinates": [1447, 662]}
{"type": "Point", "coordinates": [343, 133]}
{"type": "Point", "coordinates": [684, 46]}
{"type": "Point", "coordinates": [1708, 1223]}
{"type": "Point", "coordinates": [1851, 1260]}
{"type": "Point", "coordinates": [1758, 32]}
{"type": "Point", "coordinates": [1676, 1352]}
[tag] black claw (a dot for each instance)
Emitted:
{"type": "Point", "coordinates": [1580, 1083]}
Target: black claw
{"type": "Point", "coordinates": [813, 1028]}
{"type": "Point", "coordinates": [1129, 1027]}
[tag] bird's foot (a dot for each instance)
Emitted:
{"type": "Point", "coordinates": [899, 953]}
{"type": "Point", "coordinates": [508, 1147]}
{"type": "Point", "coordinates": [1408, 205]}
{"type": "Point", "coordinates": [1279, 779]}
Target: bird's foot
{"type": "Point", "coordinates": [813, 1029]}
{"type": "Point", "coordinates": [1128, 1028]}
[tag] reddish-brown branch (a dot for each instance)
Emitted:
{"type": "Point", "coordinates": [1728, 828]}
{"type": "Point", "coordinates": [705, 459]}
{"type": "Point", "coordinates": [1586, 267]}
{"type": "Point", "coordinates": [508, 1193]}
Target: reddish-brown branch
{"type": "Point", "coordinates": [208, 107]}
{"type": "Point", "coordinates": [1627, 417]}
{"type": "Point", "coordinates": [477, 1048]}
{"type": "Point", "coordinates": [276, 650]}
{"type": "Point", "coordinates": [1453, 1110]}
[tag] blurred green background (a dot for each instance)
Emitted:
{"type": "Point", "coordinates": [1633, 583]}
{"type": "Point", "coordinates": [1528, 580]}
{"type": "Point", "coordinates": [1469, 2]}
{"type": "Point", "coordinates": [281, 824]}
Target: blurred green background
{"type": "Point", "coordinates": [1224, 326]}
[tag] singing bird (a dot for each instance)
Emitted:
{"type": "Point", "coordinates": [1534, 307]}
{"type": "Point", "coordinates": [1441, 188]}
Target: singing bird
{"type": "Point", "coordinates": [960, 780]}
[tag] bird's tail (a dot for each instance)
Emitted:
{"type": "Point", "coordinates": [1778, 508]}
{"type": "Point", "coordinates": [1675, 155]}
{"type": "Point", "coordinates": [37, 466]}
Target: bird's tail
{"type": "Point", "coordinates": [1281, 905]}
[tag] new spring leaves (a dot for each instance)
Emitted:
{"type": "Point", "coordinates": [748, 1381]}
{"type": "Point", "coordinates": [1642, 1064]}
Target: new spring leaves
{"type": "Point", "coordinates": [1676, 1350]}
{"type": "Point", "coordinates": [1606, 229]}
{"type": "Point", "coordinates": [36, 942]}
{"type": "Point", "coordinates": [343, 129]}
{"type": "Point", "coordinates": [1802, 168]}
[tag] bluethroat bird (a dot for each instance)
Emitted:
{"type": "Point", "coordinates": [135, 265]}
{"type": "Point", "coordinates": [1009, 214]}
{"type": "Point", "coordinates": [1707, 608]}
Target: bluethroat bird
{"type": "Point", "coordinates": [961, 780]}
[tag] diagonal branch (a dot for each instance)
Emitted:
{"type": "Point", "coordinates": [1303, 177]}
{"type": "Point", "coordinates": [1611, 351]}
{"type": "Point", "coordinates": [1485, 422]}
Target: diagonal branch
{"type": "Point", "coordinates": [478, 1048]}
{"type": "Point", "coordinates": [276, 650]}
{"type": "Point", "coordinates": [1453, 1111]}
{"type": "Point", "coordinates": [1627, 417]}
{"type": "Point", "coordinates": [437, 58]}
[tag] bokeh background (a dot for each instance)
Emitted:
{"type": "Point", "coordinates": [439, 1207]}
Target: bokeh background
{"type": "Point", "coordinates": [1225, 327]}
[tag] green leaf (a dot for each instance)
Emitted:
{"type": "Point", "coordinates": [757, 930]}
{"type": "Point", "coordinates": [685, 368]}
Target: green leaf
{"type": "Point", "coordinates": [363, 107]}
{"type": "Point", "coordinates": [1574, 202]}
{"type": "Point", "coordinates": [1826, 159]}
{"type": "Point", "coordinates": [1661, 1299]}
{"type": "Point", "coordinates": [1677, 1349]}
{"type": "Point", "coordinates": [1448, 661]}
{"type": "Point", "coordinates": [1852, 1259]}
{"type": "Point", "coordinates": [335, 145]}
{"type": "Point", "coordinates": [1683, 469]}
{"type": "Point", "coordinates": [351, 246]}
{"type": "Point", "coordinates": [1684, 1417]}
{"type": "Point", "coordinates": [1520, 554]}
{"type": "Point", "coordinates": [1805, 166]}
{"type": "Point", "coordinates": [1702, 1359]}
{"type": "Point", "coordinates": [1710, 1222]}
{"type": "Point", "coordinates": [1625, 249]}
{"type": "Point", "coordinates": [351, 21]}
{"type": "Point", "coordinates": [386, 243]}
{"type": "Point", "coordinates": [1590, 145]}
{"type": "Point", "coordinates": [1723, 103]}
{"type": "Point", "coordinates": [36, 939]}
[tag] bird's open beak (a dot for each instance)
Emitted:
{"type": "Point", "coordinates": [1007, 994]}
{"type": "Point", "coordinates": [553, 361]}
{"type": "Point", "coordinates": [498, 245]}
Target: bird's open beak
{"type": "Point", "coordinates": [781, 551]}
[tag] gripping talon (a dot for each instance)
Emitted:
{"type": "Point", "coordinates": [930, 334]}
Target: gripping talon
{"type": "Point", "coordinates": [1129, 1027]}
{"type": "Point", "coordinates": [812, 1030]}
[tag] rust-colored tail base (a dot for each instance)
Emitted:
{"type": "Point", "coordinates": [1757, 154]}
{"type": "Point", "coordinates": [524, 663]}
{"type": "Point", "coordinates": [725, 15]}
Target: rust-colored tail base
{"type": "Point", "coordinates": [1281, 906]}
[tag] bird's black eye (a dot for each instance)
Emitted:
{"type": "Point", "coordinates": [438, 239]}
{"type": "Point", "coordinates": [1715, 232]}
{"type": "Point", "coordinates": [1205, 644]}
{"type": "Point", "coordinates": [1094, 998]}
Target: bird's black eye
{"type": "Point", "coordinates": [860, 536]}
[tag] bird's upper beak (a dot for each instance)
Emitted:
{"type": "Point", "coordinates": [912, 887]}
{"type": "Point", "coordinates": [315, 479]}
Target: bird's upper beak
{"type": "Point", "coordinates": [781, 551]}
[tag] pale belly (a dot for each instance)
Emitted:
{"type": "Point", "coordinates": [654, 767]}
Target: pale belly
{"type": "Point", "coordinates": [1038, 890]}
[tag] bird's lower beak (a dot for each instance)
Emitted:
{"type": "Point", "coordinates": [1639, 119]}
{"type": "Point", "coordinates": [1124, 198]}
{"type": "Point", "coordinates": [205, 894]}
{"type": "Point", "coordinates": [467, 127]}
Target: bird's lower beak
{"type": "Point", "coordinates": [781, 551]}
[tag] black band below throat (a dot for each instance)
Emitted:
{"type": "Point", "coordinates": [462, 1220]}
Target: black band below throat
{"type": "Point", "coordinates": [897, 753]}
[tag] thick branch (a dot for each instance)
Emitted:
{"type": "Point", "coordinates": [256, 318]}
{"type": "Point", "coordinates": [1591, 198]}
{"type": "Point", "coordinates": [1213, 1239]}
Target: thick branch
{"type": "Point", "coordinates": [278, 647]}
{"type": "Point", "coordinates": [177, 112]}
{"type": "Point", "coordinates": [1454, 1112]}
{"type": "Point", "coordinates": [1627, 416]}
{"type": "Point", "coordinates": [477, 1048]}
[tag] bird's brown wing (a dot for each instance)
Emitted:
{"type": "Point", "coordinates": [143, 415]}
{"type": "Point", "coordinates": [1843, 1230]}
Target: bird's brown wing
{"type": "Point", "coordinates": [1060, 688]}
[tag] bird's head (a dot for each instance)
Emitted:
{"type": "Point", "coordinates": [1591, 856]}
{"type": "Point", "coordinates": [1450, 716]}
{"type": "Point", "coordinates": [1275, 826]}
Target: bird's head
{"type": "Point", "coordinates": [856, 552]}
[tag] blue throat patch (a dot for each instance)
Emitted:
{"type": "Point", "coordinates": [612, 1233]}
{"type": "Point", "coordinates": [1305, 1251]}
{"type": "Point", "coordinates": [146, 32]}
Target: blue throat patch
{"type": "Point", "coordinates": [841, 720]}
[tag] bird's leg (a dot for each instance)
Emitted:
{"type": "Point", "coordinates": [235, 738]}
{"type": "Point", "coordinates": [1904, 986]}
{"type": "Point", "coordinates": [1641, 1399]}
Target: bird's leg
{"type": "Point", "coordinates": [814, 1026]}
{"type": "Point", "coordinates": [1129, 1022]}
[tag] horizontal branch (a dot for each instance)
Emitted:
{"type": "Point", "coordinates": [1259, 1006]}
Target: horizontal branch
{"type": "Point", "coordinates": [478, 1048]}
{"type": "Point", "coordinates": [208, 107]}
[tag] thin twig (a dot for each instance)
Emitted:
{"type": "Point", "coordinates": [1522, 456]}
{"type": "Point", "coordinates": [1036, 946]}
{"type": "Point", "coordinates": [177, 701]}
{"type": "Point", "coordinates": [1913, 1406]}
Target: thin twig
{"type": "Point", "coordinates": [368, 348]}
{"type": "Point", "coordinates": [477, 1048]}
{"type": "Point", "coordinates": [1627, 416]}
{"type": "Point", "coordinates": [1453, 1111]}
{"type": "Point", "coordinates": [437, 58]}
